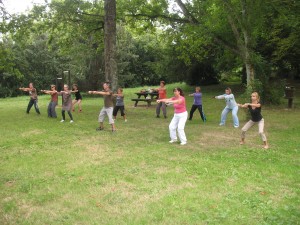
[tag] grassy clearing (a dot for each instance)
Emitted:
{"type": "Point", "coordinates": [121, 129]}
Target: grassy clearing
{"type": "Point", "coordinates": [54, 173]}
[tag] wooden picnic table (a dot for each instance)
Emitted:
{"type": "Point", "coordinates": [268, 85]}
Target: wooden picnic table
{"type": "Point", "coordinates": [148, 97]}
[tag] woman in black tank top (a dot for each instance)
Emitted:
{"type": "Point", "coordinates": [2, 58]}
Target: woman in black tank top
{"type": "Point", "coordinates": [78, 98]}
{"type": "Point", "coordinates": [256, 118]}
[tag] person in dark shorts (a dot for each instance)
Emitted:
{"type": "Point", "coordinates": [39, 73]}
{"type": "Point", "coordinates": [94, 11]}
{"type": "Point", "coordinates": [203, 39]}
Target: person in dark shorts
{"type": "Point", "coordinates": [256, 118]}
{"type": "Point", "coordinates": [78, 98]}
{"type": "Point", "coordinates": [67, 103]}
{"type": "Point", "coordinates": [33, 98]}
{"type": "Point", "coordinates": [119, 104]}
{"type": "Point", "coordinates": [53, 101]}
{"type": "Point", "coordinates": [107, 109]}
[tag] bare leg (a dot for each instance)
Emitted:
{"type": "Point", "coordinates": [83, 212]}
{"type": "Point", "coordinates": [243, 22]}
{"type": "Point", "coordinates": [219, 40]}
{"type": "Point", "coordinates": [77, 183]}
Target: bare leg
{"type": "Point", "coordinates": [113, 127]}
{"type": "Point", "coordinates": [73, 105]}
{"type": "Point", "coordinates": [101, 125]}
{"type": "Point", "coordinates": [242, 141]}
{"type": "Point", "coordinates": [79, 105]}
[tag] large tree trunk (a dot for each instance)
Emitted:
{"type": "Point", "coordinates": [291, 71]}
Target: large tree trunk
{"type": "Point", "coordinates": [110, 43]}
{"type": "Point", "coordinates": [249, 68]}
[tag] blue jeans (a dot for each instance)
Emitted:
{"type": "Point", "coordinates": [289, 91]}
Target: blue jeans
{"type": "Point", "coordinates": [51, 109]}
{"type": "Point", "coordinates": [225, 111]}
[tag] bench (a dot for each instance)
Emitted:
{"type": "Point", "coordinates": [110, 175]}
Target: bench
{"type": "Point", "coordinates": [141, 100]}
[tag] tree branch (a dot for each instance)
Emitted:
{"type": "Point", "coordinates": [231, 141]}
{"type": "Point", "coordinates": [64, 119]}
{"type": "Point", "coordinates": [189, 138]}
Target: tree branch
{"type": "Point", "coordinates": [186, 13]}
{"type": "Point", "coordinates": [172, 19]}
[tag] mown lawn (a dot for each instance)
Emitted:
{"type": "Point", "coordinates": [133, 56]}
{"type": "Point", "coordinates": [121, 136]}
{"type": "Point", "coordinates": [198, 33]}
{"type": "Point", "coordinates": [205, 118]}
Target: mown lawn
{"type": "Point", "coordinates": [62, 173]}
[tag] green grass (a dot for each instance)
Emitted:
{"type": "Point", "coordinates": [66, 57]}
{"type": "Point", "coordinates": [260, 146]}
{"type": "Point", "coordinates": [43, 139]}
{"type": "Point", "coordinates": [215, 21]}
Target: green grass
{"type": "Point", "coordinates": [61, 173]}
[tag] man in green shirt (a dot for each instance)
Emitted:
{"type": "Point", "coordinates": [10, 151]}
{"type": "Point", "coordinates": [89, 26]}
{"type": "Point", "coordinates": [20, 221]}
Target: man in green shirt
{"type": "Point", "coordinates": [107, 108]}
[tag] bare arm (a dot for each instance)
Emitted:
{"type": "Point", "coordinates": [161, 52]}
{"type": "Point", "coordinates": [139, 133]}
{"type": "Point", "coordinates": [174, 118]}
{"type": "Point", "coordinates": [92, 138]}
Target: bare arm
{"type": "Point", "coordinates": [25, 89]}
{"type": "Point", "coordinates": [170, 100]}
{"type": "Point", "coordinates": [99, 93]}
{"type": "Point", "coordinates": [256, 105]}
{"type": "Point", "coordinates": [49, 92]}
{"type": "Point", "coordinates": [120, 95]}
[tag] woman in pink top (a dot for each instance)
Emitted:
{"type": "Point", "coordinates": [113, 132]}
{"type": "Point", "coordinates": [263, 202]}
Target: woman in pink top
{"type": "Point", "coordinates": [180, 116]}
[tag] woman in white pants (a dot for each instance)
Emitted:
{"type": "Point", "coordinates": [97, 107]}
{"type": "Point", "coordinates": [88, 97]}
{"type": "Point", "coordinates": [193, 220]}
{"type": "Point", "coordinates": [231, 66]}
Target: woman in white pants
{"type": "Point", "coordinates": [256, 118]}
{"type": "Point", "coordinates": [180, 116]}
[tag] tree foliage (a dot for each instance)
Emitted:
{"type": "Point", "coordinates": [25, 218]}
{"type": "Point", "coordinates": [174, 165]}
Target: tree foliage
{"type": "Point", "coordinates": [199, 42]}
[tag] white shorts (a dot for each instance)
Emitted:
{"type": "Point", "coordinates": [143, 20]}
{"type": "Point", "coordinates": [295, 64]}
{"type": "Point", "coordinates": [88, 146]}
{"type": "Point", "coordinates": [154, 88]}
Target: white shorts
{"type": "Point", "coordinates": [106, 111]}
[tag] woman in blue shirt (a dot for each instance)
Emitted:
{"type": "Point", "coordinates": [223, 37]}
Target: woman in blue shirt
{"type": "Point", "coordinates": [197, 104]}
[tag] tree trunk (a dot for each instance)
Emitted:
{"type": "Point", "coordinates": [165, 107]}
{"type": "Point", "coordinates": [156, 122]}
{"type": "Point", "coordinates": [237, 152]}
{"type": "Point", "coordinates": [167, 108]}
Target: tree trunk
{"type": "Point", "coordinates": [249, 67]}
{"type": "Point", "coordinates": [110, 43]}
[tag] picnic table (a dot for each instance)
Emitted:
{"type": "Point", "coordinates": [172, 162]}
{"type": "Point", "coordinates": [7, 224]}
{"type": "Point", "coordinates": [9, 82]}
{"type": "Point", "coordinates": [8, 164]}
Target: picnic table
{"type": "Point", "coordinates": [148, 97]}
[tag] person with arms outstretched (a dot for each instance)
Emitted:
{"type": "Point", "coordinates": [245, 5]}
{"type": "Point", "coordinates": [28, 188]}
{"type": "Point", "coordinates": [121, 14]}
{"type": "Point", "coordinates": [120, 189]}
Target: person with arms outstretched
{"type": "Point", "coordinates": [33, 98]}
{"type": "Point", "coordinates": [67, 103]}
{"type": "Point", "coordinates": [197, 104]}
{"type": "Point", "coordinates": [180, 116]}
{"type": "Point", "coordinates": [256, 118]}
{"type": "Point", "coordinates": [53, 101]}
{"type": "Point", "coordinates": [107, 109]}
{"type": "Point", "coordinates": [78, 98]}
{"type": "Point", "coordinates": [230, 106]}
{"type": "Point", "coordinates": [162, 94]}
{"type": "Point", "coordinates": [119, 104]}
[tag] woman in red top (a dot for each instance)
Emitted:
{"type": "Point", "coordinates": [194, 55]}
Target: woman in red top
{"type": "Point", "coordinates": [180, 116]}
{"type": "Point", "coordinates": [162, 94]}
{"type": "Point", "coordinates": [53, 102]}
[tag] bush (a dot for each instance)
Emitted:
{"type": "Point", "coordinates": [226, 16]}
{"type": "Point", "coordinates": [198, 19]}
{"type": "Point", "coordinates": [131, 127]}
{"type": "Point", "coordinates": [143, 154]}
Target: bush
{"type": "Point", "coordinates": [4, 92]}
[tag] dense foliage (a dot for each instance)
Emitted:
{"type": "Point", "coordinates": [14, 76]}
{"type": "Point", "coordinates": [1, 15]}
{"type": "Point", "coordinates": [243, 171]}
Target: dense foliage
{"type": "Point", "coordinates": [199, 42]}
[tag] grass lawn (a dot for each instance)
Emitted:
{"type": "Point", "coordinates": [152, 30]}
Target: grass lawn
{"type": "Point", "coordinates": [62, 173]}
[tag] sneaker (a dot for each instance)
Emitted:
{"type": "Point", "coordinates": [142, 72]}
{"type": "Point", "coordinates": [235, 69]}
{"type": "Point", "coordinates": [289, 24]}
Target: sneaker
{"type": "Point", "coordinates": [62, 121]}
{"type": "Point", "coordinates": [173, 141]}
{"type": "Point", "coordinates": [157, 116]}
{"type": "Point", "coordinates": [99, 128]}
{"type": "Point", "coordinates": [71, 121]}
{"type": "Point", "coordinates": [183, 143]}
{"type": "Point", "coordinates": [125, 120]}
{"type": "Point", "coordinates": [236, 126]}
{"type": "Point", "coordinates": [221, 124]}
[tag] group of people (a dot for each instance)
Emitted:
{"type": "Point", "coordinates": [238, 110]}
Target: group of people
{"type": "Point", "coordinates": [67, 103]}
{"type": "Point", "coordinates": [178, 121]}
{"type": "Point", "coordinates": [180, 113]}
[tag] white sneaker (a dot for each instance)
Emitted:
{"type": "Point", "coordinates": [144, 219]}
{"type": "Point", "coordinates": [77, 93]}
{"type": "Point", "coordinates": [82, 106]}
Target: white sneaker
{"type": "Point", "coordinates": [221, 124]}
{"type": "Point", "coordinates": [236, 126]}
{"type": "Point", "coordinates": [125, 120]}
{"type": "Point", "coordinates": [62, 121]}
{"type": "Point", "coordinates": [173, 141]}
{"type": "Point", "coordinates": [183, 143]}
{"type": "Point", "coordinates": [71, 121]}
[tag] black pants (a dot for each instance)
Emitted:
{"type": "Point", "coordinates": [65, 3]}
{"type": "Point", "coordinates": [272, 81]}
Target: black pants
{"type": "Point", "coordinates": [35, 103]}
{"type": "Point", "coordinates": [116, 109]}
{"type": "Point", "coordinates": [199, 107]}
{"type": "Point", "coordinates": [63, 114]}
